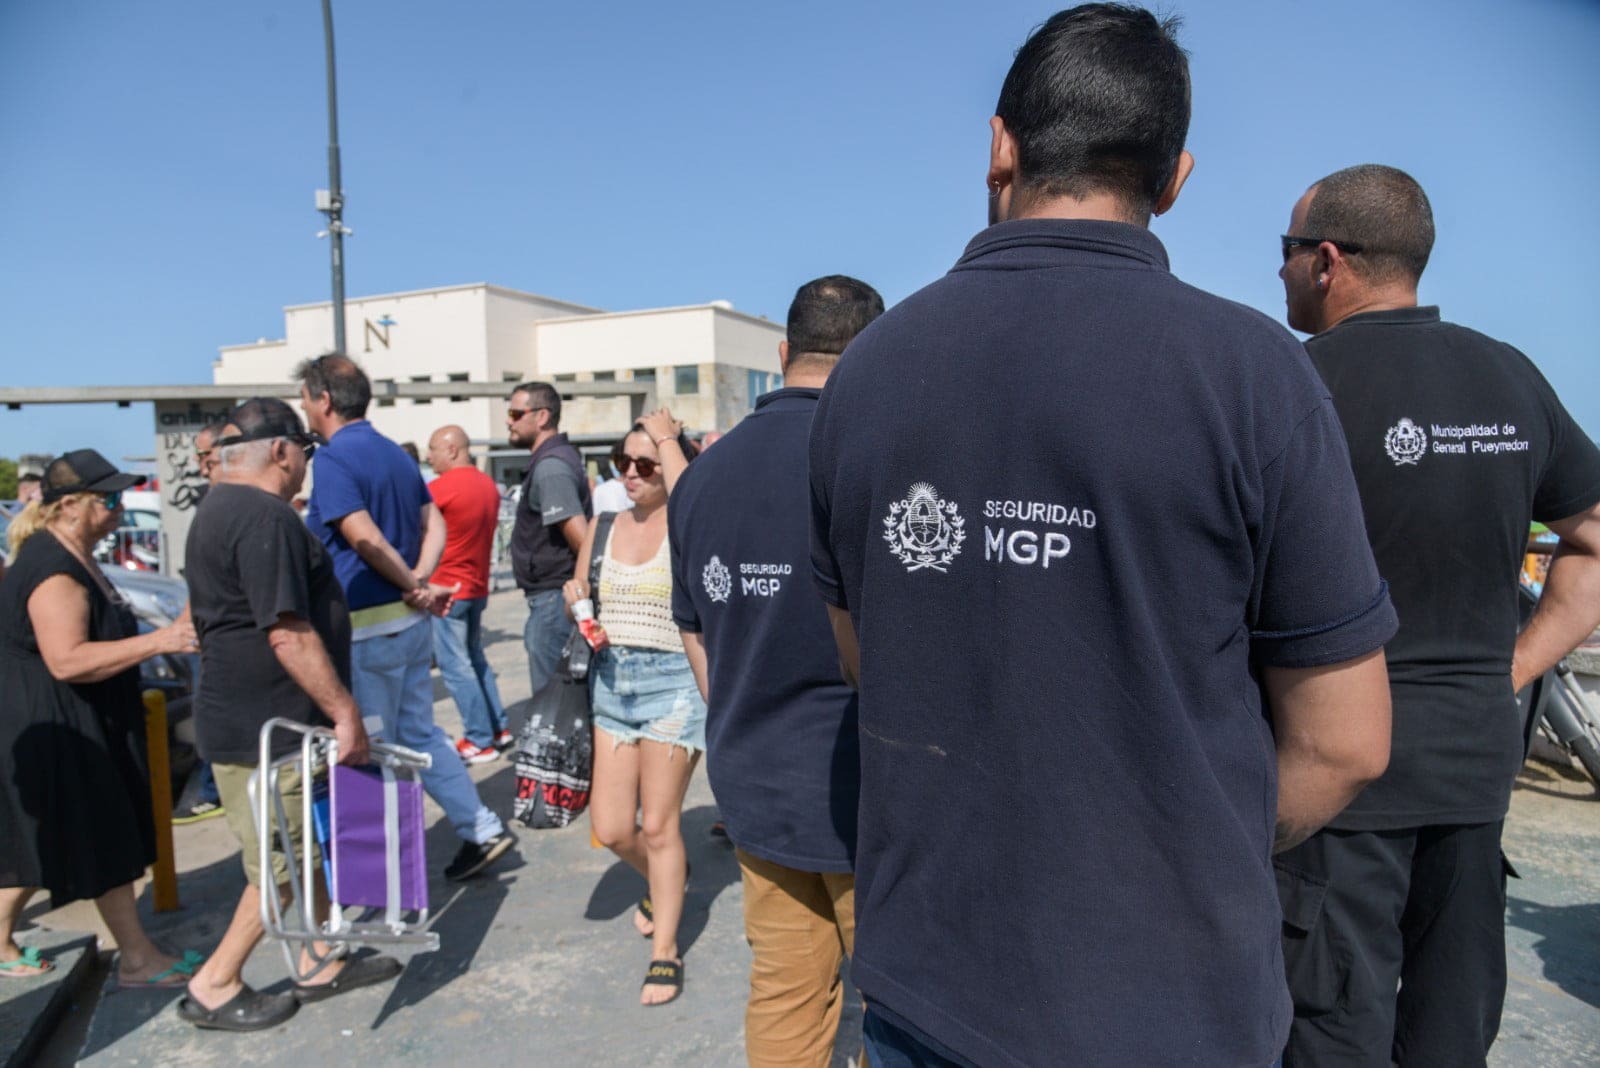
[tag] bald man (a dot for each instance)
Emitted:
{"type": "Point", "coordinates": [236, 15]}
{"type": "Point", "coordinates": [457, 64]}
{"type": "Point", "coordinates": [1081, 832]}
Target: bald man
{"type": "Point", "coordinates": [470, 503]}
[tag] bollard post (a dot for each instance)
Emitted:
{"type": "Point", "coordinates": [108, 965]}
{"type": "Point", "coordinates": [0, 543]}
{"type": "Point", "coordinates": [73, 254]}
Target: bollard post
{"type": "Point", "coordinates": [164, 877]}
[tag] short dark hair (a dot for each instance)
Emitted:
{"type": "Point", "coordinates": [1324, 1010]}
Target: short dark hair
{"type": "Point", "coordinates": [544, 396]}
{"type": "Point", "coordinates": [1098, 101]}
{"type": "Point", "coordinates": [1383, 210]}
{"type": "Point", "coordinates": [342, 379]}
{"type": "Point", "coordinates": [827, 313]}
{"type": "Point", "coordinates": [686, 443]}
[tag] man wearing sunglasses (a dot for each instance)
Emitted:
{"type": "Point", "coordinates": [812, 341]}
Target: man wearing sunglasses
{"type": "Point", "coordinates": [552, 519]}
{"type": "Point", "coordinates": [1457, 443]}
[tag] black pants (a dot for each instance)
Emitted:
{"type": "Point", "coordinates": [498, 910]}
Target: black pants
{"type": "Point", "coordinates": [1367, 913]}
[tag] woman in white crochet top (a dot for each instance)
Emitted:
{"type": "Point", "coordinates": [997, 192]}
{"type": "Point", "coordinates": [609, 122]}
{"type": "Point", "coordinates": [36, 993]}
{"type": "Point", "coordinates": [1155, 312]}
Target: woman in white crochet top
{"type": "Point", "coordinates": [649, 719]}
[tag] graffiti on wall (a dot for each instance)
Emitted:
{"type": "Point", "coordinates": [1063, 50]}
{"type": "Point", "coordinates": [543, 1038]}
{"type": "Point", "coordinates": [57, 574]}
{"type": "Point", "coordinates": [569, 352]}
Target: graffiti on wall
{"type": "Point", "coordinates": [182, 482]}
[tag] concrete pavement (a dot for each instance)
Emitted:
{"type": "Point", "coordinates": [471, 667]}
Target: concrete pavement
{"type": "Point", "coordinates": [540, 961]}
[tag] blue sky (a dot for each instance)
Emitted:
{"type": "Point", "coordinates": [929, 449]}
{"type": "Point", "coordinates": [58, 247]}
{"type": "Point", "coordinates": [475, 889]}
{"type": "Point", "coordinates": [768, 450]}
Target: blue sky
{"type": "Point", "coordinates": [158, 161]}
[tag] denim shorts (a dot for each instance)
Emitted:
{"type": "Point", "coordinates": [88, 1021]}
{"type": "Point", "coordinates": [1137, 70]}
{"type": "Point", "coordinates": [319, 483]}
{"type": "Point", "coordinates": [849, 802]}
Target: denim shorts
{"type": "Point", "coordinates": [647, 693]}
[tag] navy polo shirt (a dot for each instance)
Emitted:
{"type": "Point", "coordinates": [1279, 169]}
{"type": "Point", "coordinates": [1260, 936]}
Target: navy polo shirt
{"type": "Point", "coordinates": [361, 470]}
{"type": "Point", "coordinates": [1071, 504]}
{"type": "Point", "coordinates": [781, 748]}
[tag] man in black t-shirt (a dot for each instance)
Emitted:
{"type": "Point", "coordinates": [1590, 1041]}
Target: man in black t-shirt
{"type": "Point", "coordinates": [781, 748]}
{"type": "Point", "coordinates": [1093, 549]}
{"type": "Point", "coordinates": [274, 641]}
{"type": "Point", "coordinates": [1457, 443]}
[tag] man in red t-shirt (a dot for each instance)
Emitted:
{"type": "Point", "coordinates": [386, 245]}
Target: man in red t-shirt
{"type": "Point", "coordinates": [470, 503]}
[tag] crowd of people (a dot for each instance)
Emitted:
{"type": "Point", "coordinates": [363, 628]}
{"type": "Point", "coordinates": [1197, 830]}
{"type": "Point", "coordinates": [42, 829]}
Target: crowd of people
{"type": "Point", "coordinates": [1110, 676]}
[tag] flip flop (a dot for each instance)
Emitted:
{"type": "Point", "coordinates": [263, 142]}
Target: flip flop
{"type": "Point", "coordinates": [357, 972]}
{"type": "Point", "coordinates": [665, 973]}
{"type": "Point", "coordinates": [171, 979]}
{"type": "Point", "coordinates": [30, 959]}
{"type": "Point", "coordinates": [248, 1010]}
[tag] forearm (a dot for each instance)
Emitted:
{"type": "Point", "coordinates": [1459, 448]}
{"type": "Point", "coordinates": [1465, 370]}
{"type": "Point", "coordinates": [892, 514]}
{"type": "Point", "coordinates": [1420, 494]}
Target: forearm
{"type": "Point", "coordinates": [305, 658]}
{"type": "Point", "coordinates": [844, 636]}
{"type": "Point", "coordinates": [673, 462]}
{"type": "Point", "coordinates": [694, 647]}
{"type": "Point", "coordinates": [382, 558]}
{"type": "Point", "coordinates": [90, 661]}
{"type": "Point", "coordinates": [1331, 728]}
{"type": "Point", "coordinates": [433, 538]}
{"type": "Point", "coordinates": [1568, 612]}
{"type": "Point", "coordinates": [575, 530]}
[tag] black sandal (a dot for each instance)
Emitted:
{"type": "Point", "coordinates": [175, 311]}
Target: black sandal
{"type": "Point", "coordinates": [248, 1010]}
{"type": "Point", "coordinates": [665, 973]}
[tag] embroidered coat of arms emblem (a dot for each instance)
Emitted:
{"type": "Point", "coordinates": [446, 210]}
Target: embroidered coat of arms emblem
{"type": "Point", "coordinates": [1405, 442]}
{"type": "Point", "coordinates": [923, 530]}
{"type": "Point", "coordinates": [717, 579]}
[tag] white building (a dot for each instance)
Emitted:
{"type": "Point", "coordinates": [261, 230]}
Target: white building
{"type": "Point", "coordinates": [708, 362]}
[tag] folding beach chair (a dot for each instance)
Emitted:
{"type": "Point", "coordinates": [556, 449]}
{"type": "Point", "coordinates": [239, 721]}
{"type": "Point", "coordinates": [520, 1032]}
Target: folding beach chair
{"type": "Point", "coordinates": [368, 823]}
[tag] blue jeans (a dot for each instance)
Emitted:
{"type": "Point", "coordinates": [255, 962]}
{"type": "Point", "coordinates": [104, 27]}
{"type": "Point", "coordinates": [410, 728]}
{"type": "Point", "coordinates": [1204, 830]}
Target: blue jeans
{"type": "Point", "coordinates": [391, 685]}
{"type": "Point", "coordinates": [458, 647]}
{"type": "Point", "coordinates": [544, 635]}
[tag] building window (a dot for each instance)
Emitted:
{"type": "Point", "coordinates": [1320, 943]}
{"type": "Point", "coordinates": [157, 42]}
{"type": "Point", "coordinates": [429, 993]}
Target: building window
{"type": "Point", "coordinates": [566, 378]}
{"type": "Point", "coordinates": [511, 376]}
{"type": "Point", "coordinates": [686, 381]}
{"type": "Point", "coordinates": [421, 400]}
{"type": "Point", "coordinates": [459, 377]}
{"type": "Point", "coordinates": [644, 374]}
{"type": "Point", "coordinates": [756, 383]}
{"type": "Point", "coordinates": [605, 376]}
{"type": "Point", "coordinates": [381, 388]}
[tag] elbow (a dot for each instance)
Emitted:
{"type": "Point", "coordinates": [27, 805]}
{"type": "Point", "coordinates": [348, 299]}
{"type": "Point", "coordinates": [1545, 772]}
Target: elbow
{"type": "Point", "coordinates": [1372, 762]}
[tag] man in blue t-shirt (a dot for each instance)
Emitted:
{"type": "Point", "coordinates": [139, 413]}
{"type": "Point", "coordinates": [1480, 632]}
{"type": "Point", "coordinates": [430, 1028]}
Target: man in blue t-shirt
{"type": "Point", "coordinates": [372, 510]}
{"type": "Point", "coordinates": [781, 747]}
{"type": "Point", "coordinates": [1093, 550]}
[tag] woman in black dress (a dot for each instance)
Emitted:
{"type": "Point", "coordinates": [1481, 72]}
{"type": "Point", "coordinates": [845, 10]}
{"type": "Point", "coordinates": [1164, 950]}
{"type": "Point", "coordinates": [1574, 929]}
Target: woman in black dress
{"type": "Point", "coordinates": [74, 793]}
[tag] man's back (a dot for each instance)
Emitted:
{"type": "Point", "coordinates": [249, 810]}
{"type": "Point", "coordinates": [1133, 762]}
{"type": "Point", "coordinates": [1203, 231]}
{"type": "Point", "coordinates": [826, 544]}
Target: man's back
{"type": "Point", "coordinates": [469, 500]}
{"type": "Point", "coordinates": [1097, 498]}
{"type": "Point", "coordinates": [361, 470]}
{"type": "Point", "coordinates": [1457, 442]}
{"type": "Point", "coordinates": [782, 751]}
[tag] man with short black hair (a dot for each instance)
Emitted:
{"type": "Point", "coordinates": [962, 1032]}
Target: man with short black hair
{"type": "Point", "coordinates": [552, 519]}
{"type": "Point", "coordinates": [781, 748]}
{"type": "Point", "coordinates": [1457, 442]}
{"type": "Point", "coordinates": [371, 509]}
{"type": "Point", "coordinates": [1107, 636]}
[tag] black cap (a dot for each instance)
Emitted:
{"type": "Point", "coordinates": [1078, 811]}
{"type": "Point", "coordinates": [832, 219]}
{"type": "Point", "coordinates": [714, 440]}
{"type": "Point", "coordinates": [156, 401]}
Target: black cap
{"type": "Point", "coordinates": [83, 471]}
{"type": "Point", "coordinates": [260, 418]}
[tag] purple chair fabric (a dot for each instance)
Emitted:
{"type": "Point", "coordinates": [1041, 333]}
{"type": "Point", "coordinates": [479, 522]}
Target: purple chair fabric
{"type": "Point", "coordinates": [360, 847]}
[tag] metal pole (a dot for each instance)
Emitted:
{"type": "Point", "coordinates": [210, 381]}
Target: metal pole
{"type": "Point", "coordinates": [335, 207]}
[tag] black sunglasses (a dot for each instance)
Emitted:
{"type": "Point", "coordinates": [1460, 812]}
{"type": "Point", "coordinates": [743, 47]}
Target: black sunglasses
{"type": "Point", "coordinates": [1292, 243]}
{"type": "Point", "coordinates": [645, 467]}
{"type": "Point", "coordinates": [517, 413]}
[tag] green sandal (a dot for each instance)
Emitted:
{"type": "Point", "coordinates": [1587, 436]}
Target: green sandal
{"type": "Point", "coordinates": [178, 975]}
{"type": "Point", "coordinates": [30, 958]}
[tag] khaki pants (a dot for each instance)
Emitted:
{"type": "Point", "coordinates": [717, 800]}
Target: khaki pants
{"type": "Point", "coordinates": [233, 785]}
{"type": "Point", "coordinates": [800, 926]}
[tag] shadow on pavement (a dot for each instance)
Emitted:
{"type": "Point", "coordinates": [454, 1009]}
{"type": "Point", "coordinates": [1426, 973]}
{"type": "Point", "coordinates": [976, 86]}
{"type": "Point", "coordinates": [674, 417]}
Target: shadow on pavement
{"type": "Point", "coordinates": [1567, 936]}
{"type": "Point", "coordinates": [715, 869]}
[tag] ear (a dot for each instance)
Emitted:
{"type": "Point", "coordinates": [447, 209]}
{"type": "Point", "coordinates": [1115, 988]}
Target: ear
{"type": "Point", "coordinates": [783, 357]}
{"type": "Point", "coordinates": [1331, 265]}
{"type": "Point", "coordinates": [1180, 174]}
{"type": "Point", "coordinates": [1002, 165]}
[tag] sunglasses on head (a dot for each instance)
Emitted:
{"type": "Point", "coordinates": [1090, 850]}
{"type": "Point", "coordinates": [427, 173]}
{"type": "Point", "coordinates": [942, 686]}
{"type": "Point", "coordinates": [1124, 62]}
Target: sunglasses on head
{"type": "Point", "coordinates": [1291, 243]}
{"type": "Point", "coordinates": [646, 467]}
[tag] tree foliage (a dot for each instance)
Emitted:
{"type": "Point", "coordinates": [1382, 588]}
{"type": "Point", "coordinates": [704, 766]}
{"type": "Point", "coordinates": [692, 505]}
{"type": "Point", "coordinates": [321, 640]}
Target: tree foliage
{"type": "Point", "coordinates": [8, 479]}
